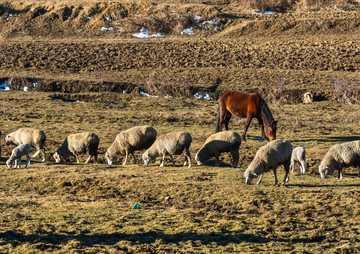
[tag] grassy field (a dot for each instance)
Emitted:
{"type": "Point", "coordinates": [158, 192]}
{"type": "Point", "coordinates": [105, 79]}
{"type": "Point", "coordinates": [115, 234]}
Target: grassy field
{"type": "Point", "coordinates": [88, 208]}
{"type": "Point", "coordinates": [90, 80]}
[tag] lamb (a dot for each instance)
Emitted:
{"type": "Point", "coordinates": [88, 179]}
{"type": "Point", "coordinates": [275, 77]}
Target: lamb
{"type": "Point", "coordinates": [17, 153]}
{"type": "Point", "coordinates": [78, 143]}
{"type": "Point", "coordinates": [270, 156]}
{"type": "Point", "coordinates": [174, 143]}
{"type": "Point", "coordinates": [298, 155]}
{"type": "Point", "coordinates": [340, 156]}
{"type": "Point", "coordinates": [34, 137]}
{"type": "Point", "coordinates": [225, 141]}
{"type": "Point", "coordinates": [129, 141]}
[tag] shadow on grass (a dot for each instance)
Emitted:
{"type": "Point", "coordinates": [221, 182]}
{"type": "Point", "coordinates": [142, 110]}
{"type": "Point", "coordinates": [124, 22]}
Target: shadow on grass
{"type": "Point", "coordinates": [145, 238]}
{"type": "Point", "coordinates": [331, 139]}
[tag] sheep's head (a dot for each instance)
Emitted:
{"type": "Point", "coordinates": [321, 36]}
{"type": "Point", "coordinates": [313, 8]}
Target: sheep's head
{"type": "Point", "coordinates": [270, 130]}
{"type": "Point", "coordinates": [109, 158]}
{"type": "Point", "coordinates": [198, 159]}
{"type": "Point", "coordinates": [249, 176]}
{"type": "Point", "coordinates": [146, 158]}
{"type": "Point", "coordinates": [8, 140]}
{"type": "Point", "coordinates": [325, 171]}
{"type": "Point", "coordinates": [57, 157]}
{"type": "Point", "coordinates": [9, 163]}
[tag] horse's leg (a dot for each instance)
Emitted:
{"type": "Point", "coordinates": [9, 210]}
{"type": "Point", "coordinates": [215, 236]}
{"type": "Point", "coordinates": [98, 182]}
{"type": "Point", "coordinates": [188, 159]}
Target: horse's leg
{"type": "Point", "coordinates": [221, 116]}
{"type": "Point", "coordinates": [247, 123]}
{"type": "Point", "coordinates": [227, 120]}
{"type": "Point", "coordinates": [261, 125]}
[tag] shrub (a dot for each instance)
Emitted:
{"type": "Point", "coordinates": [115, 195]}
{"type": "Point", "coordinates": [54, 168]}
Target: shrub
{"type": "Point", "coordinates": [346, 91]}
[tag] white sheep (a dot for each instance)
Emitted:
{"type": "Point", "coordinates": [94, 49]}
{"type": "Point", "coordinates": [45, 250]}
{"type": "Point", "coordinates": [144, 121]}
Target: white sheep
{"type": "Point", "coordinates": [34, 137]}
{"type": "Point", "coordinates": [79, 143]}
{"type": "Point", "coordinates": [298, 155]}
{"type": "Point", "coordinates": [174, 143]}
{"type": "Point", "coordinates": [129, 141]}
{"type": "Point", "coordinates": [225, 141]}
{"type": "Point", "coordinates": [17, 153]}
{"type": "Point", "coordinates": [270, 156]}
{"type": "Point", "coordinates": [340, 156]}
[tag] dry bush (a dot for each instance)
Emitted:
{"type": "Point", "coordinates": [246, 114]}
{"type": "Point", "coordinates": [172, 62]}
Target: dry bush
{"type": "Point", "coordinates": [19, 82]}
{"type": "Point", "coordinates": [266, 5]}
{"type": "Point", "coordinates": [278, 89]}
{"type": "Point", "coordinates": [158, 85]}
{"type": "Point", "coordinates": [346, 91]}
{"type": "Point", "coordinates": [315, 5]}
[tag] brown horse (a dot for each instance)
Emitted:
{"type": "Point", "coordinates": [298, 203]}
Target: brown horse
{"type": "Point", "coordinates": [246, 105]}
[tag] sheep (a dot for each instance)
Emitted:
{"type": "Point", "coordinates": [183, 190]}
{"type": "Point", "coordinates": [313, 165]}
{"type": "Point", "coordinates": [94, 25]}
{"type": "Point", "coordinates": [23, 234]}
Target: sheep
{"type": "Point", "coordinates": [174, 143]}
{"type": "Point", "coordinates": [129, 141]}
{"type": "Point", "coordinates": [225, 141]}
{"type": "Point", "coordinates": [308, 97]}
{"type": "Point", "coordinates": [298, 155]}
{"type": "Point", "coordinates": [17, 153]}
{"type": "Point", "coordinates": [34, 137]}
{"type": "Point", "coordinates": [78, 143]}
{"type": "Point", "coordinates": [270, 156]}
{"type": "Point", "coordinates": [340, 156]}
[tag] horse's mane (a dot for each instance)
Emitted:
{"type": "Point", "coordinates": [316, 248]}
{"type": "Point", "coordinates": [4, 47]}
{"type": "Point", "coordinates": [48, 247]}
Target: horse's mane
{"type": "Point", "coordinates": [265, 111]}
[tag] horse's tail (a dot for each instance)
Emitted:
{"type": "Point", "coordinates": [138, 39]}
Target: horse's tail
{"type": "Point", "coordinates": [218, 119]}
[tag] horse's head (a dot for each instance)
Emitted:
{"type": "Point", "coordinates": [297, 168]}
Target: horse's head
{"type": "Point", "coordinates": [270, 130]}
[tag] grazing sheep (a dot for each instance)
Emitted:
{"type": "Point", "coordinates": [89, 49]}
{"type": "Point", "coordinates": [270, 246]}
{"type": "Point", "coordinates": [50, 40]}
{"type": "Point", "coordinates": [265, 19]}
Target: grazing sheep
{"type": "Point", "coordinates": [129, 141]}
{"type": "Point", "coordinates": [270, 156]}
{"type": "Point", "coordinates": [298, 155]}
{"type": "Point", "coordinates": [340, 156]}
{"type": "Point", "coordinates": [17, 153]}
{"type": "Point", "coordinates": [308, 97]}
{"type": "Point", "coordinates": [79, 143]}
{"type": "Point", "coordinates": [34, 137]}
{"type": "Point", "coordinates": [174, 143]}
{"type": "Point", "coordinates": [225, 141]}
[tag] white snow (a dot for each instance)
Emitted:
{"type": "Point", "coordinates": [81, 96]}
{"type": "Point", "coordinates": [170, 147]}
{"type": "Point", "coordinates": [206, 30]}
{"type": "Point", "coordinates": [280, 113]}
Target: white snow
{"type": "Point", "coordinates": [202, 97]}
{"type": "Point", "coordinates": [148, 95]}
{"type": "Point", "coordinates": [35, 84]}
{"type": "Point", "coordinates": [144, 34]}
{"type": "Point", "coordinates": [265, 12]}
{"type": "Point", "coordinates": [108, 19]}
{"type": "Point", "coordinates": [107, 29]}
{"type": "Point", "coordinates": [25, 88]}
{"type": "Point", "coordinates": [89, 18]}
{"type": "Point", "coordinates": [188, 31]}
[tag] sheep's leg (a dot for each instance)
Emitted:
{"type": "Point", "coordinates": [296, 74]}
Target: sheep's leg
{"type": "Point", "coordinates": [36, 154]}
{"type": "Point", "coordinates": [260, 178]}
{"type": "Point", "coordinates": [162, 160]}
{"type": "Point", "coordinates": [77, 158]}
{"type": "Point", "coordinates": [43, 154]}
{"type": "Point", "coordinates": [126, 157]}
{"type": "Point", "coordinates": [303, 167]}
{"type": "Point", "coordinates": [95, 158]}
{"type": "Point", "coordinates": [339, 174]}
{"type": "Point", "coordinates": [88, 159]}
{"type": "Point", "coordinates": [187, 157]}
{"type": "Point", "coordinates": [16, 163]}
{"type": "Point", "coordinates": [276, 179]}
{"type": "Point", "coordinates": [27, 161]}
{"type": "Point", "coordinates": [19, 162]}
{"type": "Point", "coordinates": [286, 167]}
{"type": "Point", "coordinates": [359, 173]}
{"type": "Point", "coordinates": [235, 158]}
{"type": "Point", "coordinates": [292, 165]}
{"type": "Point", "coordinates": [134, 157]}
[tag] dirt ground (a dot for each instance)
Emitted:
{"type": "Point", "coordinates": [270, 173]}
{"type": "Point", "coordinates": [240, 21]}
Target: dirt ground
{"type": "Point", "coordinates": [80, 78]}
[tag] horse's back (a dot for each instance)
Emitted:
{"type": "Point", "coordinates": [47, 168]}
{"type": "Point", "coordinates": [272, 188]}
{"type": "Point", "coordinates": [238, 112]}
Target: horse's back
{"type": "Point", "coordinates": [239, 101]}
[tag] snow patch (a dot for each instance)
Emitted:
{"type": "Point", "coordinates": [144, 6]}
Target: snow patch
{"type": "Point", "coordinates": [107, 29]}
{"type": "Point", "coordinates": [25, 89]}
{"type": "Point", "coordinates": [265, 12]}
{"type": "Point", "coordinates": [202, 97]}
{"type": "Point", "coordinates": [188, 31]}
{"type": "Point", "coordinates": [148, 95]}
{"type": "Point", "coordinates": [144, 34]}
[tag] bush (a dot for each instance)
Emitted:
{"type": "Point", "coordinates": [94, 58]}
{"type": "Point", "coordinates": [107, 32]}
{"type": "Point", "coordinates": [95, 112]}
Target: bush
{"type": "Point", "coordinates": [346, 91]}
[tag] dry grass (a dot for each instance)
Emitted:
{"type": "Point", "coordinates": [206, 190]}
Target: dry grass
{"type": "Point", "coordinates": [67, 207]}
